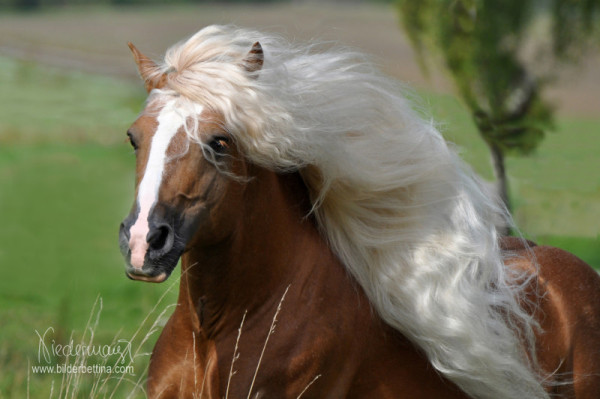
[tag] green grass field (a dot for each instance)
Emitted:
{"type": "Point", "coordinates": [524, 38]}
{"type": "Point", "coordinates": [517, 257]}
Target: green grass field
{"type": "Point", "coordinates": [66, 181]}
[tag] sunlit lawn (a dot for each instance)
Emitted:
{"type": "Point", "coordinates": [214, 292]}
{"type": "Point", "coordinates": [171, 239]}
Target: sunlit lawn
{"type": "Point", "coordinates": [66, 181]}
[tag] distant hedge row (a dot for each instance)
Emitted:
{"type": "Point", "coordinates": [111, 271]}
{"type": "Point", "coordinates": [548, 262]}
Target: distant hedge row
{"type": "Point", "coordinates": [35, 4]}
{"type": "Point", "coordinates": [32, 5]}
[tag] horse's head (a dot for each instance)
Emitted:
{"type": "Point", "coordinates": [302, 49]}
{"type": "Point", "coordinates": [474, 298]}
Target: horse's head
{"type": "Point", "coordinates": [189, 176]}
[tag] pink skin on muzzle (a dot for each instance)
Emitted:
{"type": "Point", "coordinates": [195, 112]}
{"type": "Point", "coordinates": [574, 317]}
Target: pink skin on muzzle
{"type": "Point", "coordinates": [138, 233]}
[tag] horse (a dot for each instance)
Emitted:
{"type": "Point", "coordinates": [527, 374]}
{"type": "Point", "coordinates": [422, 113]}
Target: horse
{"type": "Point", "coordinates": [332, 244]}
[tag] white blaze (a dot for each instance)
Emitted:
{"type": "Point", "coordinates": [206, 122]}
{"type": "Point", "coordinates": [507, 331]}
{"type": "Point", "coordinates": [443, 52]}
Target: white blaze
{"type": "Point", "coordinates": [170, 119]}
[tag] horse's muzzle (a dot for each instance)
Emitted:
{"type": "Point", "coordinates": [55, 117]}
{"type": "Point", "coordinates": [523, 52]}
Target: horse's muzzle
{"type": "Point", "coordinates": [151, 259]}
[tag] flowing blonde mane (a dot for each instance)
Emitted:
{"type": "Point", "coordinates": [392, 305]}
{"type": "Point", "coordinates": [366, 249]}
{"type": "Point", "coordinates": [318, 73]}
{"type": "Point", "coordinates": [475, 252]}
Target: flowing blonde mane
{"type": "Point", "coordinates": [400, 209]}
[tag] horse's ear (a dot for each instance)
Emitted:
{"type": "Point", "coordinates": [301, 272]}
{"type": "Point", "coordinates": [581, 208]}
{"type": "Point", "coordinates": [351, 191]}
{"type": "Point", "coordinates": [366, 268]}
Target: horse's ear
{"type": "Point", "coordinates": [254, 59]}
{"type": "Point", "coordinates": [147, 69]}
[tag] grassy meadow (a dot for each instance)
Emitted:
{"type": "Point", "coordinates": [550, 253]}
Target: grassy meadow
{"type": "Point", "coordinates": [66, 181]}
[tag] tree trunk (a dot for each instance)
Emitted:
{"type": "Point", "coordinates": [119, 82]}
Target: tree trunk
{"type": "Point", "coordinates": [501, 182]}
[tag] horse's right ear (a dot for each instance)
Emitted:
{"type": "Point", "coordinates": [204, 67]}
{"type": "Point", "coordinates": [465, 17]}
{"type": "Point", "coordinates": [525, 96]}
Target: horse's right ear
{"type": "Point", "coordinates": [148, 70]}
{"type": "Point", "coordinates": [254, 59]}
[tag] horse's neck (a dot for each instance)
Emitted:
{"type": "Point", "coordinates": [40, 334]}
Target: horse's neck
{"type": "Point", "coordinates": [275, 245]}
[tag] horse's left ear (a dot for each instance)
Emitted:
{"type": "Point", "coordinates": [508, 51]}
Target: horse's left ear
{"type": "Point", "coordinates": [148, 70]}
{"type": "Point", "coordinates": [254, 59]}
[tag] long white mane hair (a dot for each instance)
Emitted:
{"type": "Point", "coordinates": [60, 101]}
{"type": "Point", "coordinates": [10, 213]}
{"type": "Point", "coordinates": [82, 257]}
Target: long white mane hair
{"type": "Point", "coordinates": [400, 209]}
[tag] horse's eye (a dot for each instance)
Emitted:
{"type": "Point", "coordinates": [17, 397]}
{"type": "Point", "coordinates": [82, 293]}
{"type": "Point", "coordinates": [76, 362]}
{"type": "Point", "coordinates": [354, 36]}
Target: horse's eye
{"type": "Point", "coordinates": [132, 141]}
{"type": "Point", "coordinates": [219, 144]}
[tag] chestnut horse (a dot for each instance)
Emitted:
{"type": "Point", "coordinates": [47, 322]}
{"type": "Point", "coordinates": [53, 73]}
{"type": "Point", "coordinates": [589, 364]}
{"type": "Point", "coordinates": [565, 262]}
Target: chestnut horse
{"type": "Point", "coordinates": [331, 244]}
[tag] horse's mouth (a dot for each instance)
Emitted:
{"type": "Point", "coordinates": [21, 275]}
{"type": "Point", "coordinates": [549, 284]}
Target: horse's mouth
{"type": "Point", "coordinates": [156, 267]}
{"type": "Point", "coordinates": [137, 274]}
{"type": "Point", "coordinates": [153, 270]}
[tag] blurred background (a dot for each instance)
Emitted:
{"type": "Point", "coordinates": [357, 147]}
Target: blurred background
{"type": "Point", "coordinates": [69, 90]}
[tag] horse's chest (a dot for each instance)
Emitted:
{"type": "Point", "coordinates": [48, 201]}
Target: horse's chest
{"type": "Point", "coordinates": [187, 365]}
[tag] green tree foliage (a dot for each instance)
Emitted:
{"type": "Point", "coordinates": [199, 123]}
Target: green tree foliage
{"type": "Point", "coordinates": [484, 45]}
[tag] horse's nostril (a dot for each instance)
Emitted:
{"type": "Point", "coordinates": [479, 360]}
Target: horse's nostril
{"type": "Point", "coordinates": [157, 237]}
{"type": "Point", "coordinates": [124, 231]}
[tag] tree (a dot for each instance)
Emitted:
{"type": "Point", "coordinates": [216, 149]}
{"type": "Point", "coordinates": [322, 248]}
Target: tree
{"type": "Point", "coordinates": [498, 70]}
